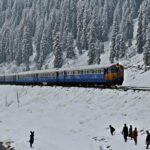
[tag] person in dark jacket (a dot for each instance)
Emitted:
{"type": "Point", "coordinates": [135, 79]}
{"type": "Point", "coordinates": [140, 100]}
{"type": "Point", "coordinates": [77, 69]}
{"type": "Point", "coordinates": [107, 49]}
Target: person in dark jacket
{"type": "Point", "coordinates": [112, 129]}
{"type": "Point", "coordinates": [130, 132]}
{"type": "Point", "coordinates": [134, 135]}
{"type": "Point", "coordinates": [31, 138]}
{"type": "Point", "coordinates": [125, 132]}
{"type": "Point", "coordinates": [147, 139]}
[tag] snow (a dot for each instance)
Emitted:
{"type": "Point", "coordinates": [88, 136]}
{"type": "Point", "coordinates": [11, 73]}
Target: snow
{"type": "Point", "coordinates": [74, 118]}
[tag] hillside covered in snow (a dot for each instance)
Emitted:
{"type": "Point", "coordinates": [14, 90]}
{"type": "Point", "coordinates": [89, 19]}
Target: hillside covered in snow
{"type": "Point", "coordinates": [74, 118]}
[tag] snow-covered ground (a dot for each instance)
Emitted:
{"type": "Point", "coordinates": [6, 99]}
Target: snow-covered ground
{"type": "Point", "coordinates": [74, 118]}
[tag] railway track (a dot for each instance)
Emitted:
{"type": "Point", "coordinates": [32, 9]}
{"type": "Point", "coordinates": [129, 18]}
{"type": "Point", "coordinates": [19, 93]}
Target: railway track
{"type": "Point", "coordinates": [134, 88]}
{"type": "Point", "coordinates": [121, 88]}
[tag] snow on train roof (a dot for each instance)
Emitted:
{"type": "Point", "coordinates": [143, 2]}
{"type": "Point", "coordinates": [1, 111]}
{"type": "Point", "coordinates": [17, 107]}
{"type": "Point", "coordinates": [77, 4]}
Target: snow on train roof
{"type": "Point", "coordinates": [64, 69]}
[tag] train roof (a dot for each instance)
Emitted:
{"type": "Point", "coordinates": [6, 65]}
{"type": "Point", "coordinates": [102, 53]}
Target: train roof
{"type": "Point", "coordinates": [64, 69]}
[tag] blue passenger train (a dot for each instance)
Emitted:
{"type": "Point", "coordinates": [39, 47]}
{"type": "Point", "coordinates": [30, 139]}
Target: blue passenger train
{"type": "Point", "coordinates": [101, 75]}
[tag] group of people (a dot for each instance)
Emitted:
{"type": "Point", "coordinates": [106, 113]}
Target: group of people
{"type": "Point", "coordinates": [133, 134]}
{"type": "Point", "coordinates": [130, 133]}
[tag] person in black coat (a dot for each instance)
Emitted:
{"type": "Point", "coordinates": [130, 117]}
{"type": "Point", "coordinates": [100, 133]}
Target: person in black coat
{"type": "Point", "coordinates": [130, 132]}
{"type": "Point", "coordinates": [112, 129]}
{"type": "Point", "coordinates": [147, 139]}
{"type": "Point", "coordinates": [125, 132]}
{"type": "Point", "coordinates": [31, 138]}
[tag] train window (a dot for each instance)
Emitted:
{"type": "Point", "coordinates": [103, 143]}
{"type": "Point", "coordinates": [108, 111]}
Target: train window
{"type": "Point", "coordinates": [102, 71]}
{"type": "Point", "coordinates": [75, 72]}
{"type": "Point", "coordinates": [114, 69]}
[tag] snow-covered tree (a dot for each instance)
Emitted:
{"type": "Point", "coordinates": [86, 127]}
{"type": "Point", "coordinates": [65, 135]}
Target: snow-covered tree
{"type": "Point", "coordinates": [92, 40]}
{"type": "Point", "coordinates": [98, 51]}
{"type": "Point", "coordinates": [84, 37]}
{"type": "Point", "coordinates": [58, 61]}
{"type": "Point", "coordinates": [113, 41]}
{"type": "Point", "coordinates": [147, 48]}
{"type": "Point", "coordinates": [120, 47]}
{"type": "Point", "coordinates": [46, 45]}
{"type": "Point", "coordinates": [27, 48]}
{"type": "Point", "coordinates": [80, 28]}
{"type": "Point", "coordinates": [70, 46]}
{"type": "Point", "coordinates": [139, 36]}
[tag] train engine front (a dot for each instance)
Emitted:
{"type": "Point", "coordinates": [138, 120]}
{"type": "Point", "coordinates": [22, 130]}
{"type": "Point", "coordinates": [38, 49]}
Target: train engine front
{"type": "Point", "coordinates": [114, 75]}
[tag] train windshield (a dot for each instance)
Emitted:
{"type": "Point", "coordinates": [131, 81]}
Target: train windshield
{"type": "Point", "coordinates": [114, 69]}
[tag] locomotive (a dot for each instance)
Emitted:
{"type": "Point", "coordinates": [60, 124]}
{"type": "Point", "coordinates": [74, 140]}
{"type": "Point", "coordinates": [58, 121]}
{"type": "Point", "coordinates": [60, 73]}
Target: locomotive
{"type": "Point", "coordinates": [112, 74]}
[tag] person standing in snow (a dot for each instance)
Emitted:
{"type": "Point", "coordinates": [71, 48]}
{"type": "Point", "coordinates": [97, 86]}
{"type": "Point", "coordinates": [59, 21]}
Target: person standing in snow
{"type": "Point", "coordinates": [147, 139]}
{"type": "Point", "coordinates": [112, 129]}
{"type": "Point", "coordinates": [130, 132]}
{"type": "Point", "coordinates": [125, 132]}
{"type": "Point", "coordinates": [31, 138]}
{"type": "Point", "coordinates": [134, 135]}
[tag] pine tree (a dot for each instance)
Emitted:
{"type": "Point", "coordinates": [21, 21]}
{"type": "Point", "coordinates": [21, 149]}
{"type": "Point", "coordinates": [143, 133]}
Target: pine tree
{"type": "Point", "coordinates": [70, 46]}
{"type": "Point", "coordinates": [27, 45]}
{"type": "Point", "coordinates": [98, 52]}
{"type": "Point", "coordinates": [45, 46]}
{"type": "Point", "coordinates": [113, 41]}
{"type": "Point", "coordinates": [74, 18]}
{"type": "Point", "coordinates": [122, 51]}
{"type": "Point", "coordinates": [139, 36]}
{"type": "Point", "coordinates": [80, 28]}
{"type": "Point", "coordinates": [19, 53]}
{"type": "Point", "coordinates": [102, 48]}
{"type": "Point", "coordinates": [92, 40]}
{"type": "Point", "coordinates": [146, 57]}
{"type": "Point", "coordinates": [117, 46]}
{"type": "Point", "coordinates": [58, 61]}
{"type": "Point", "coordinates": [38, 37]}
{"type": "Point", "coordinates": [84, 37]}
{"type": "Point", "coordinates": [1, 51]}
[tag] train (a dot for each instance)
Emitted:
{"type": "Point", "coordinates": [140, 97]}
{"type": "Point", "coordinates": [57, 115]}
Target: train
{"type": "Point", "coordinates": [109, 75]}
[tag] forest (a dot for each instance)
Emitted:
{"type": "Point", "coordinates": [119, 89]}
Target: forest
{"type": "Point", "coordinates": [62, 28]}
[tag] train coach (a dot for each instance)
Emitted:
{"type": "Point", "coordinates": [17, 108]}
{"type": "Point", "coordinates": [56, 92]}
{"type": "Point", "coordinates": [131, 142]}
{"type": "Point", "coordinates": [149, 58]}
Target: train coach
{"type": "Point", "coordinates": [101, 75]}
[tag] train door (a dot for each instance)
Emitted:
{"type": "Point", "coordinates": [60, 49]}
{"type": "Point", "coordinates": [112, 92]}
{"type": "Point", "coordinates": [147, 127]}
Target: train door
{"type": "Point", "coordinates": [57, 76]}
{"type": "Point", "coordinates": [65, 76]}
{"type": "Point", "coordinates": [36, 77]}
{"type": "Point", "coordinates": [108, 76]}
